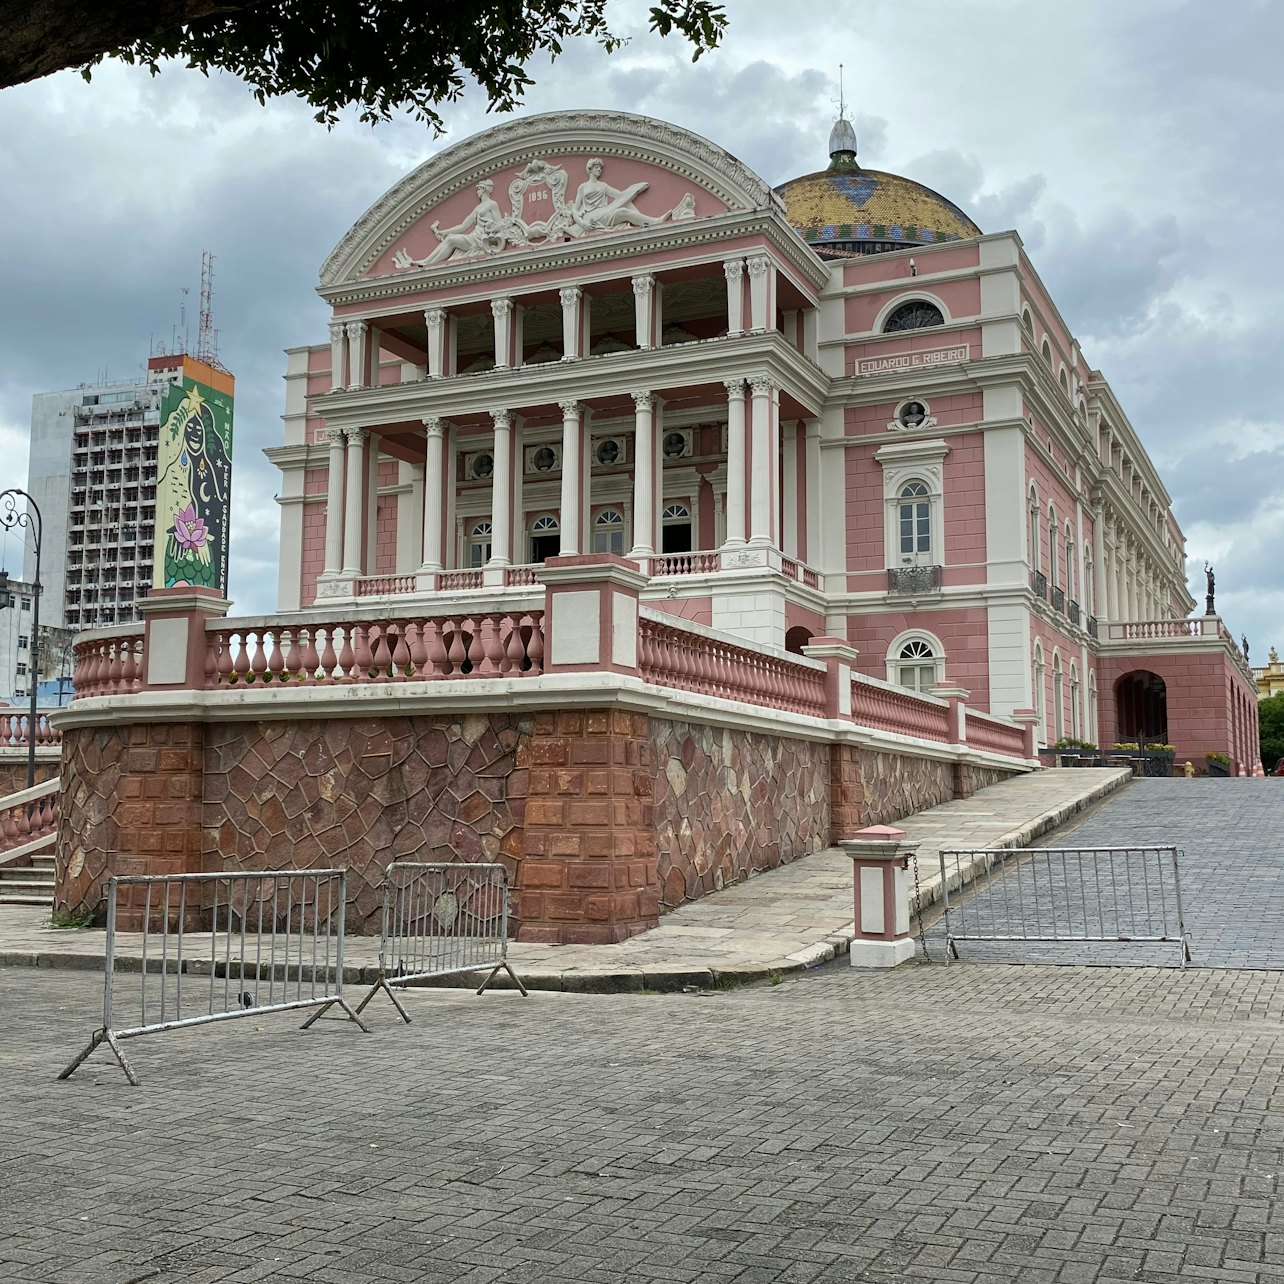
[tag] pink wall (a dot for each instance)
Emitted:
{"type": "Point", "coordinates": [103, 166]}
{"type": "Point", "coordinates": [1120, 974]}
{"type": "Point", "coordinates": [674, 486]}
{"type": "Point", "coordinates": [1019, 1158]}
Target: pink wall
{"type": "Point", "coordinates": [313, 562]}
{"type": "Point", "coordinates": [961, 299]}
{"type": "Point", "coordinates": [962, 633]}
{"type": "Point", "coordinates": [935, 258]}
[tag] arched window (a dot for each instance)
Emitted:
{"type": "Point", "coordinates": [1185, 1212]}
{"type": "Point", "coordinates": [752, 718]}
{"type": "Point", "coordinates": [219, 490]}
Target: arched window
{"type": "Point", "coordinates": [1058, 697]}
{"type": "Point", "coordinates": [1054, 570]}
{"type": "Point", "coordinates": [1092, 707]}
{"type": "Point", "coordinates": [1065, 383]}
{"type": "Point", "coordinates": [608, 532]}
{"type": "Point", "coordinates": [1027, 321]}
{"type": "Point", "coordinates": [479, 544]}
{"type": "Point", "coordinates": [1070, 568]}
{"type": "Point", "coordinates": [916, 664]}
{"type": "Point", "coordinates": [1046, 350]}
{"type": "Point", "coordinates": [914, 517]}
{"type": "Point", "coordinates": [675, 529]}
{"type": "Point", "coordinates": [917, 315]}
{"type": "Point", "coordinates": [1089, 588]}
{"type": "Point", "coordinates": [546, 538]}
{"type": "Point", "coordinates": [1074, 700]}
{"type": "Point", "coordinates": [1040, 692]}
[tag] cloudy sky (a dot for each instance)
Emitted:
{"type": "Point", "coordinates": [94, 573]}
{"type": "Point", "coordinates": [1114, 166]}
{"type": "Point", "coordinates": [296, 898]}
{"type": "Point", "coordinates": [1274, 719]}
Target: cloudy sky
{"type": "Point", "coordinates": [1136, 147]}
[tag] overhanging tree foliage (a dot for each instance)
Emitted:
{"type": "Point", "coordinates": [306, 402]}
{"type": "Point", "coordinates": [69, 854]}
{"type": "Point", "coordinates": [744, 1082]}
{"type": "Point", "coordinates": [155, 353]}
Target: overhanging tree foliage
{"type": "Point", "coordinates": [1270, 724]}
{"type": "Point", "coordinates": [380, 56]}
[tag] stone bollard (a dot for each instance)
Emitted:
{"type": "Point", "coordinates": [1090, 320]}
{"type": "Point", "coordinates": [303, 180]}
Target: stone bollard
{"type": "Point", "coordinates": [880, 865]}
{"type": "Point", "coordinates": [1189, 769]}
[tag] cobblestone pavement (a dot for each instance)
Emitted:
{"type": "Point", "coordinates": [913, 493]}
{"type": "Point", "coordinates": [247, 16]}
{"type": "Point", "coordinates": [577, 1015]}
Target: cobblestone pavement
{"type": "Point", "coordinates": [1231, 835]}
{"type": "Point", "coordinates": [966, 1125]}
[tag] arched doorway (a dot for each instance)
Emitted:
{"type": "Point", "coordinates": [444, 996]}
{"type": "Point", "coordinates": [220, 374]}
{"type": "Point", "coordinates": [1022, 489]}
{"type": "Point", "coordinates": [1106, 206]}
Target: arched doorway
{"type": "Point", "coordinates": [1141, 707]}
{"type": "Point", "coordinates": [797, 638]}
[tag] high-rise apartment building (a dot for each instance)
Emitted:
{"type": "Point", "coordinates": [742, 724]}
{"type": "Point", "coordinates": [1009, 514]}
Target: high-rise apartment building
{"type": "Point", "coordinates": [95, 459]}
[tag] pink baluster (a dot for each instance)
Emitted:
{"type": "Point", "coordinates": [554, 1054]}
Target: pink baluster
{"type": "Point", "coordinates": [131, 665]}
{"type": "Point", "coordinates": [328, 660]}
{"type": "Point", "coordinates": [224, 657]}
{"type": "Point", "coordinates": [363, 656]}
{"type": "Point", "coordinates": [436, 657]}
{"type": "Point", "coordinates": [303, 660]}
{"type": "Point", "coordinates": [455, 652]}
{"type": "Point", "coordinates": [418, 652]}
{"type": "Point", "coordinates": [380, 653]}
{"type": "Point", "coordinates": [401, 653]}
{"type": "Point", "coordinates": [258, 657]}
{"type": "Point", "coordinates": [275, 666]}
{"type": "Point", "coordinates": [347, 655]}
{"type": "Point", "coordinates": [535, 647]}
{"type": "Point", "coordinates": [241, 665]}
{"type": "Point", "coordinates": [473, 641]}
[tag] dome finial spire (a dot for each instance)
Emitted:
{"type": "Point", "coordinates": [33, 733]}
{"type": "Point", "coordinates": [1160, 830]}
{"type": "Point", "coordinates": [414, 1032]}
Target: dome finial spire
{"type": "Point", "coordinates": [842, 138]}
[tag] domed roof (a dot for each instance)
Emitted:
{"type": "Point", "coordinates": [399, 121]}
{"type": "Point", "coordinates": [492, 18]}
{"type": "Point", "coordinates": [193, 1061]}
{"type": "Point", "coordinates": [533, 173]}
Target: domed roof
{"type": "Point", "coordinates": [847, 210]}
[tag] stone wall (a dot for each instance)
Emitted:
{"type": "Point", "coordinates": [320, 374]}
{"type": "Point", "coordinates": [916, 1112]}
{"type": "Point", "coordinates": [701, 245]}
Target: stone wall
{"type": "Point", "coordinates": [361, 792]}
{"type": "Point", "coordinates": [875, 788]}
{"type": "Point", "coordinates": [718, 813]}
{"type": "Point", "coordinates": [13, 773]}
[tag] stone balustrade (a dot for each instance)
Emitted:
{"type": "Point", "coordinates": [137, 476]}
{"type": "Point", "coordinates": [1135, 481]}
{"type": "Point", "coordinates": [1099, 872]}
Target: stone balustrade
{"type": "Point", "coordinates": [684, 564]}
{"type": "Point", "coordinates": [799, 572]}
{"type": "Point", "coordinates": [996, 735]}
{"type": "Point", "coordinates": [672, 656]}
{"type": "Point", "coordinates": [29, 815]}
{"type": "Point", "coordinates": [883, 707]}
{"type": "Point", "coordinates": [108, 663]}
{"type": "Point", "coordinates": [333, 652]}
{"type": "Point", "coordinates": [383, 585]}
{"type": "Point", "coordinates": [13, 731]}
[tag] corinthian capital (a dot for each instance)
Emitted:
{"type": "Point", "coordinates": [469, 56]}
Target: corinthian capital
{"type": "Point", "coordinates": [734, 387]}
{"type": "Point", "coordinates": [501, 307]}
{"type": "Point", "coordinates": [761, 387]}
{"type": "Point", "coordinates": [357, 328]}
{"type": "Point", "coordinates": [503, 420]}
{"type": "Point", "coordinates": [734, 269]}
{"type": "Point", "coordinates": [434, 426]}
{"type": "Point", "coordinates": [643, 400]}
{"type": "Point", "coordinates": [337, 330]}
{"type": "Point", "coordinates": [434, 318]}
{"type": "Point", "coordinates": [758, 265]}
{"type": "Point", "coordinates": [643, 285]}
{"type": "Point", "coordinates": [356, 436]}
{"type": "Point", "coordinates": [335, 436]}
{"type": "Point", "coordinates": [570, 296]}
{"type": "Point", "coordinates": [569, 409]}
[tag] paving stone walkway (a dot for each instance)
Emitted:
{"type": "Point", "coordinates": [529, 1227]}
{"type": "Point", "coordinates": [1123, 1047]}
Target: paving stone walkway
{"type": "Point", "coordinates": [963, 1125]}
{"type": "Point", "coordinates": [1230, 834]}
{"type": "Point", "coordinates": [779, 922]}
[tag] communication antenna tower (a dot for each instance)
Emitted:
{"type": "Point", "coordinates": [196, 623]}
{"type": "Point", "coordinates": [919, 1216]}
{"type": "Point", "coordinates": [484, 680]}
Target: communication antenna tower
{"type": "Point", "coordinates": [206, 335]}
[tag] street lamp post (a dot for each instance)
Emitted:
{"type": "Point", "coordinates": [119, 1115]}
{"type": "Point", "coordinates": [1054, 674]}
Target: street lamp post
{"type": "Point", "coordinates": [9, 518]}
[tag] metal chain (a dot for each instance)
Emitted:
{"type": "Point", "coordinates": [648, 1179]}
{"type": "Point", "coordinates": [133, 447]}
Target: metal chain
{"type": "Point", "coordinates": [918, 910]}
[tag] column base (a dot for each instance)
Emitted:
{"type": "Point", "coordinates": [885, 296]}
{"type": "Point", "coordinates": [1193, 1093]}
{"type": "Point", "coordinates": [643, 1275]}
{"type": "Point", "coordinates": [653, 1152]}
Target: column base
{"type": "Point", "coordinates": [881, 954]}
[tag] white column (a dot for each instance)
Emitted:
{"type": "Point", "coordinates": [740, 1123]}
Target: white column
{"type": "Point", "coordinates": [354, 487]}
{"type": "Point", "coordinates": [502, 311]}
{"type": "Point", "coordinates": [519, 335]}
{"type": "Point", "coordinates": [643, 474]}
{"type": "Point", "coordinates": [765, 449]}
{"type": "Point", "coordinates": [789, 491]}
{"type": "Point", "coordinates": [813, 521]}
{"type": "Point", "coordinates": [374, 347]}
{"type": "Point", "coordinates": [435, 320]}
{"type": "Point", "coordinates": [356, 354]}
{"type": "Point", "coordinates": [571, 299]}
{"type": "Point", "coordinates": [760, 268]}
{"type": "Point", "coordinates": [334, 503]}
{"type": "Point", "coordinates": [434, 489]}
{"type": "Point", "coordinates": [734, 270]}
{"type": "Point", "coordinates": [501, 493]}
{"type": "Point", "coordinates": [1100, 595]}
{"type": "Point", "coordinates": [735, 461]}
{"type": "Point", "coordinates": [811, 333]}
{"type": "Point", "coordinates": [571, 516]}
{"type": "Point", "coordinates": [644, 310]}
{"type": "Point", "coordinates": [338, 355]}
{"type": "Point", "coordinates": [518, 553]}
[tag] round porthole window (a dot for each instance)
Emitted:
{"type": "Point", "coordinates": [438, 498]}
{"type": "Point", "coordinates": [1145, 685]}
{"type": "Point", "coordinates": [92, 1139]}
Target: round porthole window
{"type": "Point", "coordinates": [483, 465]}
{"type": "Point", "coordinates": [608, 451]}
{"type": "Point", "coordinates": [913, 413]}
{"type": "Point", "coordinates": [544, 459]}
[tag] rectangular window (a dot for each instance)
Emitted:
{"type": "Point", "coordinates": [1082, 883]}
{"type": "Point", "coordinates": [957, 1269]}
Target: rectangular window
{"type": "Point", "coordinates": [22, 642]}
{"type": "Point", "coordinates": [21, 670]}
{"type": "Point", "coordinates": [609, 541]}
{"type": "Point", "coordinates": [26, 604]}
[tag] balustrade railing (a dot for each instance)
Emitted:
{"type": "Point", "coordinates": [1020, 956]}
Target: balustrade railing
{"type": "Point", "coordinates": [1142, 630]}
{"type": "Point", "coordinates": [1058, 598]}
{"type": "Point", "coordinates": [521, 575]}
{"type": "Point", "coordinates": [997, 735]}
{"type": "Point", "coordinates": [108, 665]}
{"type": "Point", "coordinates": [383, 585]}
{"type": "Point", "coordinates": [1039, 584]}
{"type": "Point", "coordinates": [13, 731]}
{"type": "Point", "coordinates": [913, 579]}
{"type": "Point", "coordinates": [1092, 626]}
{"type": "Point", "coordinates": [29, 815]}
{"type": "Point", "coordinates": [672, 656]}
{"type": "Point", "coordinates": [799, 572]}
{"type": "Point", "coordinates": [451, 581]}
{"type": "Point", "coordinates": [1072, 610]}
{"type": "Point", "coordinates": [490, 645]}
{"type": "Point", "coordinates": [883, 707]}
{"type": "Point", "coordinates": [684, 564]}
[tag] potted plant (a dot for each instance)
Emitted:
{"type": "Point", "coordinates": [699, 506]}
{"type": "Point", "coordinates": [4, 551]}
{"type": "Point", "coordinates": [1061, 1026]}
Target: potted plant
{"type": "Point", "coordinates": [1217, 763]}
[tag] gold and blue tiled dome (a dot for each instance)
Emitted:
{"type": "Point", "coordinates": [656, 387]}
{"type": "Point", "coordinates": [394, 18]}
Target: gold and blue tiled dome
{"type": "Point", "coordinates": [846, 210]}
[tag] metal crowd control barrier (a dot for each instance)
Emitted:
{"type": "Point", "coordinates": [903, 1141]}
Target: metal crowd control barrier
{"type": "Point", "coordinates": [219, 946]}
{"type": "Point", "coordinates": [439, 920]}
{"type": "Point", "coordinates": [1063, 894]}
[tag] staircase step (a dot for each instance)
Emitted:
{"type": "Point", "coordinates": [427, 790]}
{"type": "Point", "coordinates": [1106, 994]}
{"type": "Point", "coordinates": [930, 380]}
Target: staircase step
{"type": "Point", "coordinates": [25, 887]}
{"type": "Point", "coordinates": [26, 873]}
{"type": "Point", "coordinates": [10, 898]}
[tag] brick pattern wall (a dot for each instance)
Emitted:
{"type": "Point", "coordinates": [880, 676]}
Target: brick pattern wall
{"type": "Point", "coordinates": [718, 813]}
{"type": "Point", "coordinates": [130, 804]}
{"type": "Point", "coordinates": [589, 873]}
{"type": "Point", "coordinates": [361, 792]}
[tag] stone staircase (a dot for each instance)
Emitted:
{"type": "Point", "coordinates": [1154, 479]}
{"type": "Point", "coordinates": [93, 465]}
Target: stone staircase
{"type": "Point", "coordinates": [30, 883]}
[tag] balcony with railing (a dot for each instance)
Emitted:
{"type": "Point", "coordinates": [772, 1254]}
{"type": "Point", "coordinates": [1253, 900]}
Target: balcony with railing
{"type": "Point", "coordinates": [1058, 598]}
{"type": "Point", "coordinates": [911, 580]}
{"type": "Point", "coordinates": [1072, 610]}
{"type": "Point", "coordinates": [1039, 584]}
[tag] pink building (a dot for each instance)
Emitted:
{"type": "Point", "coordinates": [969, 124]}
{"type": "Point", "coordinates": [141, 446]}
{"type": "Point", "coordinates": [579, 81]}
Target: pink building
{"type": "Point", "coordinates": [644, 527]}
{"type": "Point", "coordinates": [836, 408]}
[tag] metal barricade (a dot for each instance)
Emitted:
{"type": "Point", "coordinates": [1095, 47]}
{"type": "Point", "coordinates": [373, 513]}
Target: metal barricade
{"type": "Point", "coordinates": [442, 919]}
{"type": "Point", "coordinates": [1063, 894]}
{"type": "Point", "coordinates": [218, 946]}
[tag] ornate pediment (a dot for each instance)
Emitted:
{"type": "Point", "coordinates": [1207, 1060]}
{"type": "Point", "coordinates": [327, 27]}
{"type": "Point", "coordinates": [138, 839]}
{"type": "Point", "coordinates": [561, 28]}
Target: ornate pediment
{"type": "Point", "coordinates": [553, 179]}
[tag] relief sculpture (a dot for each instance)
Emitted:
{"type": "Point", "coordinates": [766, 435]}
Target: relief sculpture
{"type": "Point", "coordinates": [596, 207]}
